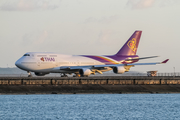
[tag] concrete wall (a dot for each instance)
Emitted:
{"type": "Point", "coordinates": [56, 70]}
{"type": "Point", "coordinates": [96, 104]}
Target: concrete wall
{"type": "Point", "coordinates": [92, 80]}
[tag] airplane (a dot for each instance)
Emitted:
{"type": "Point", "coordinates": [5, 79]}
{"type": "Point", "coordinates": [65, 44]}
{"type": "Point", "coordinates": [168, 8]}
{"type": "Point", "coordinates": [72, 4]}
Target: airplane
{"type": "Point", "coordinates": [42, 63]}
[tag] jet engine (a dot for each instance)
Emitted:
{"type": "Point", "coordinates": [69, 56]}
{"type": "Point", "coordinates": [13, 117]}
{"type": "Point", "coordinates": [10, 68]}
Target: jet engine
{"type": "Point", "coordinates": [85, 72]}
{"type": "Point", "coordinates": [40, 74]}
{"type": "Point", "coordinates": [119, 70]}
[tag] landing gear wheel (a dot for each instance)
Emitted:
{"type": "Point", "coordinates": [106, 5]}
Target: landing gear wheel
{"type": "Point", "coordinates": [77, 75]}
{"type": "Point", "coordinates": [29, 74]}
{"type": "Point", "coordinates": [64, 75]}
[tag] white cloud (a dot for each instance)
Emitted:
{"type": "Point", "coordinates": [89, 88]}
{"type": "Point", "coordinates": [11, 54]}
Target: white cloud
{"type": "Point", "coordinates": [37, 38]}
{"type": "Point", "coordinates": [142, 4]}
{"type": "Point", "coordinates": [104, 19]}
{"type": "Point", "coordinates": [104, 36]}
{"type": "Point", "coordinates": [139, 4]}
{"type": "Point", "coordinates": [29, 5]}
{"type": "Point", "coordinates": [163, 3]}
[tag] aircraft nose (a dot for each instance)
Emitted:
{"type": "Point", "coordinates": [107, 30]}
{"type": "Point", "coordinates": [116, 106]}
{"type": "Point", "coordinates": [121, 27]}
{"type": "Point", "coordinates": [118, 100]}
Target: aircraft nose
{"type": "Point", "coordinates": [18, 63]}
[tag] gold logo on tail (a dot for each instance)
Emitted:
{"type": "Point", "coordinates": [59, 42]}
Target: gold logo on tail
{"type": "Point", "coordinates": [132, 44]}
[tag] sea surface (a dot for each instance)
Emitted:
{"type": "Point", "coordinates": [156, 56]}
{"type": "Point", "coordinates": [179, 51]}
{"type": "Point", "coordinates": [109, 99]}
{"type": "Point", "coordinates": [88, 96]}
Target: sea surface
{"type": "Point", "coordinates": [90, 107]}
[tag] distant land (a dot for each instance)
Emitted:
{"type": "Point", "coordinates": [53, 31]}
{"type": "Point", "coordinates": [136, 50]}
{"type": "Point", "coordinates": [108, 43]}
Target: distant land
{"type": "Point", "coordinates": [13, 70]}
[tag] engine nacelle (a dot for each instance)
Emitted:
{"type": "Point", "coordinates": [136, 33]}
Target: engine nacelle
{"type": "Point", "coordinates": [40, 74]}
{"type": "Point", "coordinates": [85, 72]}
{"type": "Point", "coordinates": [119, 70]}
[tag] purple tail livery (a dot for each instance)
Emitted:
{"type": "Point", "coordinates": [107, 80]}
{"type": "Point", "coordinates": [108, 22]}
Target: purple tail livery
{"type": "Point", "coordinates": [130, 47]}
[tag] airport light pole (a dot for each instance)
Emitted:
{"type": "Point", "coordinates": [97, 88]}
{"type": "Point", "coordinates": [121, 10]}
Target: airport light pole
{"type": "Point", "coordinates": [174, 71]}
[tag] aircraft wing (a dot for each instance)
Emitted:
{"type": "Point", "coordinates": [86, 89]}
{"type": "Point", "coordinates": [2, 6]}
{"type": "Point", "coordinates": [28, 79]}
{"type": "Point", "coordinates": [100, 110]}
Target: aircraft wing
{"type": "Point", "coordinates": [111, 65]}
{"type": "Point", "coordinates": [132, 64]}
{"type": "Point", "coordinates": [74, 67]}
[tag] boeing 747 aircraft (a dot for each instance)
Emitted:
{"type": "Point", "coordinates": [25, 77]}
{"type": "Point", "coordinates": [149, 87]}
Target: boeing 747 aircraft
{"type": "Point", "coordinates": [42, 63]}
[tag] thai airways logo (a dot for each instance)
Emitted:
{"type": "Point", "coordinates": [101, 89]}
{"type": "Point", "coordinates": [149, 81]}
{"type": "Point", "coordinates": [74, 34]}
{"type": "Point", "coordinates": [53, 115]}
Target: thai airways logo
{"type": "Point", "coordinates": [42, 59]}
{"type": "Point", "coordinates": [47, 59]}
{"type": "Point", "coordinates": [132, 44]}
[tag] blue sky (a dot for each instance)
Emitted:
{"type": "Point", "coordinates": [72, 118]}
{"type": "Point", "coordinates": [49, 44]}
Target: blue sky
{"type": "Point", "coordinates": [92, 27]}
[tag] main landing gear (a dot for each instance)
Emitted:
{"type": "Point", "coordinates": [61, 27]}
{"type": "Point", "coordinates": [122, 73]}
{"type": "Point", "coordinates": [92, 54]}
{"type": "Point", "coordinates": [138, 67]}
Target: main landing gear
{"type": "Point", "coordinates": [29, 74]}
{"type": "Point", "coordinates": [76, 75]}
{"type": "Point", "coordinates": [63, 75]}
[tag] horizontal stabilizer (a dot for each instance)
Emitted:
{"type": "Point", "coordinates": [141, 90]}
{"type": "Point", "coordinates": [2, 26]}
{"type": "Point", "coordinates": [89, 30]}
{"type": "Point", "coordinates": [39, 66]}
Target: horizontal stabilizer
{"type": "Point", "coordinates": [141, 58]}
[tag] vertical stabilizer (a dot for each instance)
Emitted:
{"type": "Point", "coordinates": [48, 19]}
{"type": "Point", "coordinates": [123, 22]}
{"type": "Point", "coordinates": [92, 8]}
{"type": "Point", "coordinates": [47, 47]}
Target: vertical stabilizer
{"type": "Point", "coordinates": [130, 47]}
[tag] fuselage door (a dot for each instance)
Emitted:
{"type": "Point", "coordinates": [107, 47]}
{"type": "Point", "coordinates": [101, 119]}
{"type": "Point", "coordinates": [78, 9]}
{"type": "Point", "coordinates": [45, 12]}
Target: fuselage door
{"type": "Point", "coordinates": [54, 59]}
{"type": "Point", "coordinates": [38, 63]}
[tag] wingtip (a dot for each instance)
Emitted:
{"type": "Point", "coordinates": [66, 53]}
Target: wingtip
{"type": "Point", "coordinates": [165, 61]}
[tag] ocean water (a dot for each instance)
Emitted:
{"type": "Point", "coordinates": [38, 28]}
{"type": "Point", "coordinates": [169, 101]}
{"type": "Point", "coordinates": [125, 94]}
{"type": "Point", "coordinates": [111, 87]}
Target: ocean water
{"type": "Point", "coordinates": [90, 107]}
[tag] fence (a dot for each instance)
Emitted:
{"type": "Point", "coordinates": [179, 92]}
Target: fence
{"type": "Point", "coordinates": [168, 74]}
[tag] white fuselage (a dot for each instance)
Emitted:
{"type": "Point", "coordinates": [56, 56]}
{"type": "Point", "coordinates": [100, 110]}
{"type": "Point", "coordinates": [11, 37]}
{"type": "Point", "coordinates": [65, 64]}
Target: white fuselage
{"type": "Point", "coordinates": [47, 62]}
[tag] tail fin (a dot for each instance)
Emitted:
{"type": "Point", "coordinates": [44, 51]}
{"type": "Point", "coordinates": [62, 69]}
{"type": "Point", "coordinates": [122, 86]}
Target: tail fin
{"type": "Point", "coordinates": [130, 47]}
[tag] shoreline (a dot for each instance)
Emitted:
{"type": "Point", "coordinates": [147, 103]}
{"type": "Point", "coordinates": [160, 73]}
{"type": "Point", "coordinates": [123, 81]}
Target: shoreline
{"type": "Point", "coordinates": [88, 89]}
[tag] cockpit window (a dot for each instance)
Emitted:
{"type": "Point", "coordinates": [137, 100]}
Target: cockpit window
{"type": "Point", "coordinates": [26, 55]}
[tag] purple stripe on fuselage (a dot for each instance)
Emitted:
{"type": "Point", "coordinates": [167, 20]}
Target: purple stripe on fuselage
{"type": "Point", "coordinates": [98, 59]}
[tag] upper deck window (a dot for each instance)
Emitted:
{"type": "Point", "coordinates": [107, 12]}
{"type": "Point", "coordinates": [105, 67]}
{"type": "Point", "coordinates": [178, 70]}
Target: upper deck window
{"type": "Point", "coordinates": [41, 55]}
{"type": "Point", "coordinates": [26, 55]}
{"type": "Point", "coordinates": [52, 55]}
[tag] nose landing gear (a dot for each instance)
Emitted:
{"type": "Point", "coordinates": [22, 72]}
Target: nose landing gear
{"type": "Point", "coordinates": [29, 74]}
